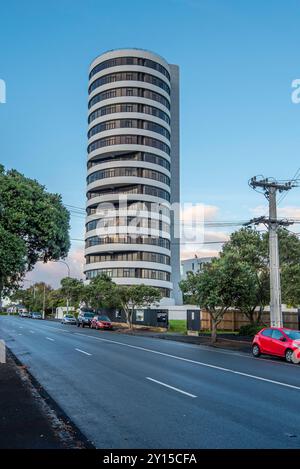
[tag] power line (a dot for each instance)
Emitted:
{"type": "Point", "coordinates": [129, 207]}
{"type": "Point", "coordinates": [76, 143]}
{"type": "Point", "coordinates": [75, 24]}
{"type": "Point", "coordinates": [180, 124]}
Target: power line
{"type": "Point", "coordinates": [293, 179]}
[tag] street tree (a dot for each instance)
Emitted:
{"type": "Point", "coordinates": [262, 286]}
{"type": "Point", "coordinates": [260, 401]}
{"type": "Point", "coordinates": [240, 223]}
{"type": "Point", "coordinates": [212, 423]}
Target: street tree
{"type": "Point", "coordinates": [35, 225]}
{"type": "Point", "coordinates": [73, 290]}
{"type": "Point", "coordinates": [136, 297]}
{"type": "Point", "coordinates": [290, 279]}
{"type": "Point", "coordinates": [222, 284]}
{"type": "Point", "coordinates": [101, 292]}
{"type": "Point", "coordinates": [34, 298]}
{"type": "Point", "coordinates": [252, 248]}
{"type": "Point", "coordinates": [12, 260]}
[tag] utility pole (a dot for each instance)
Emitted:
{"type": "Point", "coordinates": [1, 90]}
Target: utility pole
{"type": "Point", "coordinates": [269, 188]}
{"type": "Point", "coordinates": [67, 265]}
{"type": "Point", "coordinates": [44, 300]}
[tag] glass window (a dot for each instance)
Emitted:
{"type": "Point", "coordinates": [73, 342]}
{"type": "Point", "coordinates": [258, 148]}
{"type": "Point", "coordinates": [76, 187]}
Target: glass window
{"type": "Point", "coordinates": [117, 61]}
{"type": "Point", "coordinates": [139, 315]}
{"type": "Point", "coordinates": [294, 335]}
{"type": "Point", "coordinates": [276, 334]}
{"type": "Point", "coordinates": [141, 92]}
{"type": "Point", "coordinates": [267, 332]}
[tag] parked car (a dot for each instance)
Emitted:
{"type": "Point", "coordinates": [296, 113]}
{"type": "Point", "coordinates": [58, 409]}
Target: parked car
{"type": "Point", "coordinates": [85, 318]}
{"type": "Point", "coordinates": [101, 321]}
{"type": "Point", "coordinates": [68, 319]}
{"type": "Point", "coordinates": [37, 316]}
{"type": "Point", "coordinates": [29, 315]}
{"type": "Point", "coordinates": [278, 342]}
{"type": "Point", "coordinates": [24, 314]}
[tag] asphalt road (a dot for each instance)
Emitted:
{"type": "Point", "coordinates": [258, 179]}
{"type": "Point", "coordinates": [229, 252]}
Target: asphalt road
{"type": "Point", "coordinates": [138, 392]}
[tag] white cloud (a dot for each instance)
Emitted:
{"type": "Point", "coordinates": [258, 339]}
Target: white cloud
{"type": "Point", "coordinates": [189, 250]}
{"type": "Point", "coordinates": [194, 212]}
{"type": "Point", "coordinates": [289, 211]}
{"type": "Point", "coordinates": [52, 272]}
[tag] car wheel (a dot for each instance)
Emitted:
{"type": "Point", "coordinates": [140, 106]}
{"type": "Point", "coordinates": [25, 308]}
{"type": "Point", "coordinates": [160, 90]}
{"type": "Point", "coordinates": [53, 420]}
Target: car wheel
{"type": "Point", "coordinates": [82, 325]}
{"type": "Point", "coordinates": [289, 355]}
{"type": "Point", "coordinates": [255, 351]}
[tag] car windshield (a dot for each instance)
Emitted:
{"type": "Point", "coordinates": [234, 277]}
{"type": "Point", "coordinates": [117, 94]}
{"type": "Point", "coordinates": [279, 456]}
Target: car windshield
{"type": "Point", "coordinates": [69, 316]}
{"type": "Point", "coordinates": [294, 335]}
{"type": "Point", "coordinates": [89, 315]}
{"type": "Point", "coordinates": [103, 318]}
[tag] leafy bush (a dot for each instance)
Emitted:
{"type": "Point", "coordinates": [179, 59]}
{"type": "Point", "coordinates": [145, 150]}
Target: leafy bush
{"type": "Point", "coordinates": [249, 330]}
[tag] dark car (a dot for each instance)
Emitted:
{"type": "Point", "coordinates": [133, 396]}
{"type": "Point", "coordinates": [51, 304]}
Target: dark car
{"type": "Point", "coordinates": [85, 318]}
{"type": "Point", "coordinates": [101, 321]}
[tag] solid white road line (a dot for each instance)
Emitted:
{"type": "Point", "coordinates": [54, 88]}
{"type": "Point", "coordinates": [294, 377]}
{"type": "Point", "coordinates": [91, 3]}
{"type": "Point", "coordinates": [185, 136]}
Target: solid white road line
{"type": "Point", "coordinates": [49, 338]}
{"type": "Point", "coordinates": [207, 365]}
{"type": "Point", "coordinates": [171, 387]}
{"type": "Point", "coordinates": [82, 351]}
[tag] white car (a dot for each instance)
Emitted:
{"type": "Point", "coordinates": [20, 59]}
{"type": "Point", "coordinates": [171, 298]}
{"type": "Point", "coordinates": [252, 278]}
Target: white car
{"type": "Point", "coordinates": [24, 314]}
{"type": "Point", "coordinates": [68, 319]}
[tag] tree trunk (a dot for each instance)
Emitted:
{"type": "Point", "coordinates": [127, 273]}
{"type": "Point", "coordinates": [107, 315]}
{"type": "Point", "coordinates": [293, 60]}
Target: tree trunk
{"type": "Point", "coordinates": [250, 316]}
{"type": "Point", "coordinates": [131, 316]}
{"type": "Point", "coordinates": [258, 320]}
{"type": "Point", "coordinates": [213, 331]}
{"type": "Point", "coordinates": [128, 313]}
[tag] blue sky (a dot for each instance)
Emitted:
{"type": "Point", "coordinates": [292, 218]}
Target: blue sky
{"type": "Point", "coordinates": [237, 62]}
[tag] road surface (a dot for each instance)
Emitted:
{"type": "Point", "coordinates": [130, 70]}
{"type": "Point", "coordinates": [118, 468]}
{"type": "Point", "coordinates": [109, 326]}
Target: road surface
{"type": "Point", "coordinates": [137, 392]}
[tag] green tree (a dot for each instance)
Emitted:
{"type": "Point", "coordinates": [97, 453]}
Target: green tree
{"type": "Point", "coordinates": [290, 278]}
{"type": "Point", "coordinates": [34, 223]}
{"type": "Point", "coordinates": [135, 297]}
{"type": "Point", "coordinates": [56, 299]}
{"type": "Point", "coordinates": [12, 261]}
{"type": "Point", "coordinates": [101, 292]}
{"type": "Point", "coordinates": [73, 290]}
{"type": "Point", "coordinates": [251, 248]}
{"type": "Point", "coordinates": [223, 283]}
{"type": "Point", "coordinates": [35, 297]}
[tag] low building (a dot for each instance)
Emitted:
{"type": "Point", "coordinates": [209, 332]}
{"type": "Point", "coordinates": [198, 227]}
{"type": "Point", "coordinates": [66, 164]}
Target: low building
{"type": "Point", "coordinates": [193, 265]}
{"type": "Point", "coordinates": [16, 308]}
{"type": "Point", "coordinates": [61, 310]}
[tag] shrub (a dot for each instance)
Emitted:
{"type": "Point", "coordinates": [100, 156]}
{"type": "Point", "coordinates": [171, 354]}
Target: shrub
{"type": "Point", "coordinates": [249, 330]}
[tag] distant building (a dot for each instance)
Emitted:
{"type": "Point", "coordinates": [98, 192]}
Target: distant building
{"type": "Point", "coordinates": [16, 308]}
{"type": "Point", "coordinates": [193, 265]}
{"type": "Point", "coordinates": [61, 310]}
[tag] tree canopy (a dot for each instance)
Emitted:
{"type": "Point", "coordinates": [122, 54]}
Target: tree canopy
{"type": "Point", "coordinates": [34, 226]}
{"type": "Point", "coordinates": [239, 278]}
{"type": "Point", "coordinates": [136, 296]}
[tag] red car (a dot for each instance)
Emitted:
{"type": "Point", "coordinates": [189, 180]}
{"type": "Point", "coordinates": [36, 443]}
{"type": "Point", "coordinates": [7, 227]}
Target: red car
{"type": "Point", "coordinates": [279, 342]}
{"type": "Point", "coordinates": [101, 322]}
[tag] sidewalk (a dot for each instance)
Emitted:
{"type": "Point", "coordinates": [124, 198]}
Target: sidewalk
{"type": "Point", "coordinates": [26, 419]}
{"type": "Point", "coordinates": [237, 344]}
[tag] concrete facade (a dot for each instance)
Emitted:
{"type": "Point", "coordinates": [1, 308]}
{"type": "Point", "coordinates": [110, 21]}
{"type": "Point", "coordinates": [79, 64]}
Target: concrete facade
{"type": "Point", "coordinates": [133, 168]}
{"type": "Point", "coordinates": [193, 265]}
